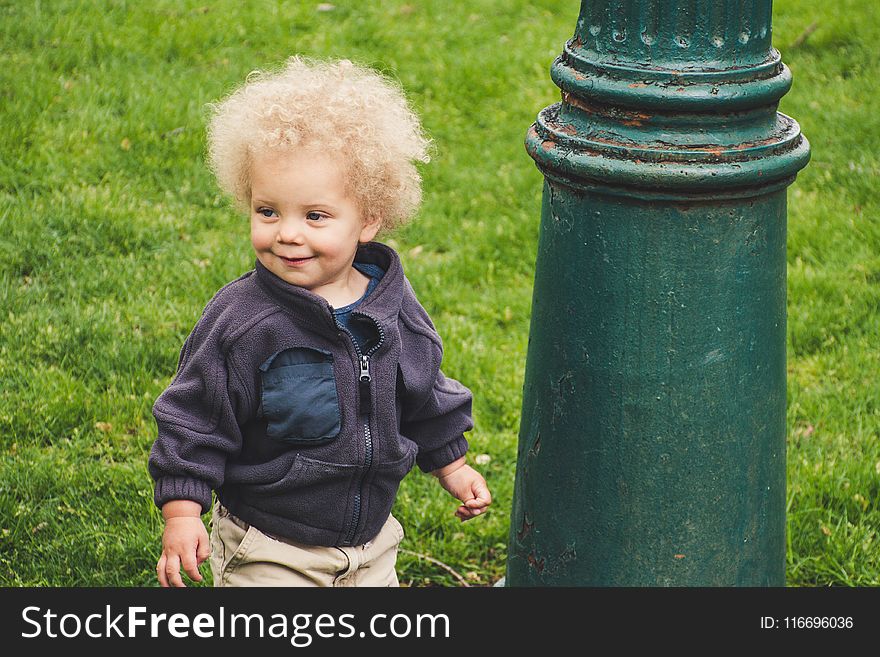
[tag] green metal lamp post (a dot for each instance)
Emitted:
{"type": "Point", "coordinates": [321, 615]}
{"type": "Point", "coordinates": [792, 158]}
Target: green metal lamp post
{"type": "Point", "coordinates": [652, 443]}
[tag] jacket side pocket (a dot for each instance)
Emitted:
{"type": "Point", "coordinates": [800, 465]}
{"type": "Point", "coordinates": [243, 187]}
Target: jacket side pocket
{"type": "Point", "coordinates": [298, 398]}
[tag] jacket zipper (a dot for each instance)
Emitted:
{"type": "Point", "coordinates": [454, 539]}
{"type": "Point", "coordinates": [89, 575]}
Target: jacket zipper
{"type": "Point", "coordinates": [365, 399]}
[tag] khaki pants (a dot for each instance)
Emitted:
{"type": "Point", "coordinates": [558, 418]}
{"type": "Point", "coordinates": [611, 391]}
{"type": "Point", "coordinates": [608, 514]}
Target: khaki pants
{"type": "Point", "coordinates": [242, 555]}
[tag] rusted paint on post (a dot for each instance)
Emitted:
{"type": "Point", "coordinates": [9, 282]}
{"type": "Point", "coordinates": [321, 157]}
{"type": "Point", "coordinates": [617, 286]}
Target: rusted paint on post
{"type": "Point", "coordinates": [652, 442]}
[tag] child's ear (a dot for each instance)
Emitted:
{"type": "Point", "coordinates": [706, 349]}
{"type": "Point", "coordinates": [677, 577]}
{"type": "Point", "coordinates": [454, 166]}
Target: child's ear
{"type": "Point", "coordinates": [371, 226]}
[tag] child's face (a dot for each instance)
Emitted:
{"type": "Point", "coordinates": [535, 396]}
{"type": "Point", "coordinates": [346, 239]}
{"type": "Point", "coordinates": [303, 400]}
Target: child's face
{"type": "Point", "coordinates": [305, 227]}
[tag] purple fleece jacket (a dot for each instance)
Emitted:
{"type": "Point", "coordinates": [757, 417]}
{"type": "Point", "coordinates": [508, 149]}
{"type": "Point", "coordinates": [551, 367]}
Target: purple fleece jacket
{"type": "Point", "coordinates": [301, 433]}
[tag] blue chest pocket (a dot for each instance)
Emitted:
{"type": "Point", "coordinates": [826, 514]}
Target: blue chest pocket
{"type": "Point", "coordinates": [298, 399]}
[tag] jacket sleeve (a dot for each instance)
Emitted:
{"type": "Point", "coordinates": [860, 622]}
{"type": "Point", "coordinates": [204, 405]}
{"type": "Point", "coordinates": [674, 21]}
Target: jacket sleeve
{"type": "Point", "coordinates": [437, 427]}
{"type": "Point", "coordinates": [197, 420]}
{"type": "Point", "coordinates": [436, 409]}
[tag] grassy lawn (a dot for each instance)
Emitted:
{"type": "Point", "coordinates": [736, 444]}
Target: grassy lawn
{"type": "Point", "coordinates": [114, 237]}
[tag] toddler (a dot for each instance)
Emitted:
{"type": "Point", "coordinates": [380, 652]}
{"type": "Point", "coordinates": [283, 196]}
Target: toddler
{"type": "Point", "coordinates": [310, 385]}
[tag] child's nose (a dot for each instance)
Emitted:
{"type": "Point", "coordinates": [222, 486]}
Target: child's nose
{"type": "Point", "coordinates": [290, 231]}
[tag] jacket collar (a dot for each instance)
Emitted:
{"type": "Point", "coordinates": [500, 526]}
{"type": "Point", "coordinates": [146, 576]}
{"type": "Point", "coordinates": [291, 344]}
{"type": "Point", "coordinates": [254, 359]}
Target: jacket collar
{"type": "Point", "coordinates": [383, 303]}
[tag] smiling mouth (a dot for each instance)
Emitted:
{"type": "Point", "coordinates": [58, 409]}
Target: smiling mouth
{"type": "Point", "coordinates": [293, 262]}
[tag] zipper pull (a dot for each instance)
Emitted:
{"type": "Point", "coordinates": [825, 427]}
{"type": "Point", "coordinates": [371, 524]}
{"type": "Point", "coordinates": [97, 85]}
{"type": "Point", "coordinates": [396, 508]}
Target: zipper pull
{"type": "Point", "coordinates": [364, 386]}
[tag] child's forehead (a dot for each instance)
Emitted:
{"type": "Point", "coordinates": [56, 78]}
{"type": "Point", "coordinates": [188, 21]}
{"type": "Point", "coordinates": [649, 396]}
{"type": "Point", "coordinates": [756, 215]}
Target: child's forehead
{"type": "Point", "coordinates": [279, 172]}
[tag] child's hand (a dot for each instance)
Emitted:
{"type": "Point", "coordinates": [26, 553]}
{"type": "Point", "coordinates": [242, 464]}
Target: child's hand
{"type": "Point", "coordinates": [467, 485]}
{"type": "Point", "coordinates": [185, 543]}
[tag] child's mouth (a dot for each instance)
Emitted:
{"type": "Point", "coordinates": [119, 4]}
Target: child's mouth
{"type": "Point", "coordinates": [295, 262]}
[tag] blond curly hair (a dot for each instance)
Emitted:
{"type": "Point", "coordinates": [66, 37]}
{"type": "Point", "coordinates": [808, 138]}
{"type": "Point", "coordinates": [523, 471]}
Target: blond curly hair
{"type": "Point", "coordinates": [348, 110]}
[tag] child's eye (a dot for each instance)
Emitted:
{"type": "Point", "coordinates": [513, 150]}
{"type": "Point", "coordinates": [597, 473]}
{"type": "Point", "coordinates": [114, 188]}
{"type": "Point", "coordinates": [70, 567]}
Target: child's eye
{"type": "Point", "coordinates": [314, 216]}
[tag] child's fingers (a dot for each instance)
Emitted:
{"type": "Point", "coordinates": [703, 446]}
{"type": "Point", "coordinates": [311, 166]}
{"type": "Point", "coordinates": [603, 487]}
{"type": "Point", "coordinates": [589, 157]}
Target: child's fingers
{"type": "Point", "coordinates": [172, 571]}
{"type": "Point", "coordinates": [481, 499]}
{"type": "Point", "coordinates": [482, 494]}
{"type": "Point", "coordinates": [160, 572]}
{"type": "Point", "coordinates": [204, 551]}
{"type": "Point", "coordinates": [191, 566]}
{"type": "Point", "coordinates": [464, 513]}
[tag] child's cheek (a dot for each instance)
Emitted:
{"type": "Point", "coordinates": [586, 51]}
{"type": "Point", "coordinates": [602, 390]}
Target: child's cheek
{"type": "Point", "coordinates": [261, 236]}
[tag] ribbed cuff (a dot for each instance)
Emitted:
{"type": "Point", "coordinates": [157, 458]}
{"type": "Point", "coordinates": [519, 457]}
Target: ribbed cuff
{"type": "Point", "coordinates": [182, 488]}
{"type": "Point", "coordinates": [454, 449]}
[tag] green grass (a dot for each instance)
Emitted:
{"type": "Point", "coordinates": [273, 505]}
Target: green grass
{"type": "Point", "coordinates": [114, 237]}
